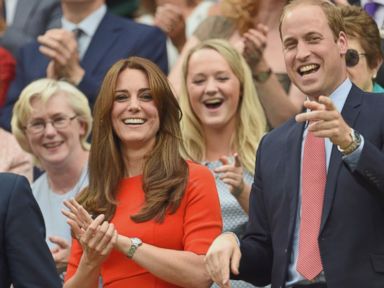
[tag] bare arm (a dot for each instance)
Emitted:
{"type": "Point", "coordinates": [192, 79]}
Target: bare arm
{"type": "Point", "coordinates": [175, 75]}
{"type": "Point", "coordinates": [278, 105]}
{"type": "Point", "coordinates": [182, 268]}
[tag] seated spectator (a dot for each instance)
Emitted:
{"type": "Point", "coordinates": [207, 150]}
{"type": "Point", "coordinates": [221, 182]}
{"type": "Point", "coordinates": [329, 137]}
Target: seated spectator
{"type": "Point", "coordinates": [25, 259]}
{"type": "Point", "coordinates": [25, 20]}
{"type": "Point", "coordinates": [13, 158]}
{"type": "Point", "coordinates": [364, 56]}
{"type": "Point", "coordinates": [52, 120]}
{"type": "Point", "coordinates": [156, 214]}
{"type": "Point", "coordinates": [7, 73]}
{"type": "Point", "coordinates": [102, 39]}
{"type": "Point", "coordinates": [252, 27]}
{"type": "Point", "coordinates": [223, 122]}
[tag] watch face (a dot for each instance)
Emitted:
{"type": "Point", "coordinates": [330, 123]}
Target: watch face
{"type": "Point", "coordinates": [136, 242]}
{"type": "Point", "coordinates": [356, 141]}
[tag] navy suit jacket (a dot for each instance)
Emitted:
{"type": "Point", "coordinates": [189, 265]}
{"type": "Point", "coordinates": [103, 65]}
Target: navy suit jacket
{"type": "Point", "coordinates": [115, 38]}
{"type": "Point", "coordinates": [25, 259]}
{"type": "Point", "coordinates": [352, 230]}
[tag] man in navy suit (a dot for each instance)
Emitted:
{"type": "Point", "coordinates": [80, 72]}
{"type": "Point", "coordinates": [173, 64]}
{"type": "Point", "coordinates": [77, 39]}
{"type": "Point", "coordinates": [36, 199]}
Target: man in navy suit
{"type": "Point", "coordinates": [103, 39]}
{"type": "Point", "coordinates": [25, 260]}
{"type": "Point", "coordinates": [350, 238]}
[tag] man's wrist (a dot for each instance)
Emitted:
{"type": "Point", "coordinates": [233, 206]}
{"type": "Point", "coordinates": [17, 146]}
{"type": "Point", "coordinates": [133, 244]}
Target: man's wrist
{"type": "Point", "coordinates": [352, 145]}
{"type": "Point", "coordinates": [262, 76]}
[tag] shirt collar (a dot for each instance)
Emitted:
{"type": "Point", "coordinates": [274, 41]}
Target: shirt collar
{"type": "Point", "coordinates": [339, 96]}
{"type": "Point", "coordinates": [89, 24]}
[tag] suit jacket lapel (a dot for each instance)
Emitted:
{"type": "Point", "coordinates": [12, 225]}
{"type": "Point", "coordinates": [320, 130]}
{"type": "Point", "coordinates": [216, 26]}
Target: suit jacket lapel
{"type": "Point", "coordinates": [350, 113]}
{"type": "Point", "coordinates": [292, 180]}
{"type": "Point", "coordinates": [102, 40]}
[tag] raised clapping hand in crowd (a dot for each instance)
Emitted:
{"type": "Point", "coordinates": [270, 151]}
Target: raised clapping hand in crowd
{"type": "Point", "coordinates": [96, 236]}
{"type": "Point", "coordinates": [232, 175]}
{"type": "Point", "coordinates": [60, 46]}
{"type": "Point", "coordinates": [170, 19]}
{"type": "Point", "coordinates": [255, 42]}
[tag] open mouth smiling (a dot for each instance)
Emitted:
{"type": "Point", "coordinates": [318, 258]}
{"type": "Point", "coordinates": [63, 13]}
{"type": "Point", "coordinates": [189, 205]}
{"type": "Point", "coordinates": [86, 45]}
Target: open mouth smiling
{"type": "Point", "coordinates": [213, 103]}
{"type": "Point", "coordinates": [308, 69]}
{"type": "Point", "coordinates": [134, 121]}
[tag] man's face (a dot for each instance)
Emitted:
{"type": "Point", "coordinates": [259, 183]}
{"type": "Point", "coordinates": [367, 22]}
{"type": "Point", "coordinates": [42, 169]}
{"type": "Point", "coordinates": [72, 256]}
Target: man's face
{"type": "Point", "coordinates": [312, 56]}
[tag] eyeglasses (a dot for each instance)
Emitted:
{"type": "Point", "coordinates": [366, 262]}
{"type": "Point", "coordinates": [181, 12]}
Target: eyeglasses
{"type": "Point", "coordinates": [59, 122]}
{"type": "Point", "coordinates": [352, 57]}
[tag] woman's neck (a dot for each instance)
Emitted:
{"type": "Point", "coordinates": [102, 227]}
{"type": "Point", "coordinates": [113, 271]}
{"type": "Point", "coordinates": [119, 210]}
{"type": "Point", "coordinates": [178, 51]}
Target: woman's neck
{"type": "Point", "coordinates": [63, 178]}
{"type": "Point", "coordinates": [218, 142]}
{"type": "Point", "coordinates": [134, 159]}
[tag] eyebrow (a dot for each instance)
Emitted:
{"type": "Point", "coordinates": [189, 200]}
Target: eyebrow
{"type": "Point", "coordinates": [126, 91]}
{"type": "Point", "coordinates": [291, 39]}
{"type": "Point", "coordinates": [50, 116]}
{"type": "Point", "coordinates": [313, 33]}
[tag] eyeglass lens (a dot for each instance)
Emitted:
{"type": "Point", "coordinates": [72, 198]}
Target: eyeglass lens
{"type": "Point", "coordinates": [59, 123]}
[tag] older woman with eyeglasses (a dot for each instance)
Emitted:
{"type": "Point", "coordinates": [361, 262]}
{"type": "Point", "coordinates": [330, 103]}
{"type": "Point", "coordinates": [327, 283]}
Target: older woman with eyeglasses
{"type": "Point", "coordinates": [364, 55]}
{"type": "Point", "coordinates": [52, 120]}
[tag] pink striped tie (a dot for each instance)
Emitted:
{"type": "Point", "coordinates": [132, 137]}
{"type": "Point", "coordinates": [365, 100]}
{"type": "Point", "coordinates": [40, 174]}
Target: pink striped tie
{"type": "Point", "coordinates": [313, 186]}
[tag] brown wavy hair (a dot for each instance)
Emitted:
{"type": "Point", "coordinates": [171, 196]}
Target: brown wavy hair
{"type": "Point", "coordinates": [242, 12]}
{"type": "Point", "coordinates": [359, 25]}
{"type": "Point", "coordinates": [165, 172]}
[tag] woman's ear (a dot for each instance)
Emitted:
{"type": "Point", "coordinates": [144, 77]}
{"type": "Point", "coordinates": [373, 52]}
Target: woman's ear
{"type": "Point", "coordinates": [376, 69]}
{"type": "Point", "coordinates": [83, 127]}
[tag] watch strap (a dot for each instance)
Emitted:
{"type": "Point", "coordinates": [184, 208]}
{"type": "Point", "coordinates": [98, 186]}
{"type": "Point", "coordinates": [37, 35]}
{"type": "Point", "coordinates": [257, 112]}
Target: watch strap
{"type": "Point", "coordinates": [135, 243]}
{"type": "Point", "coordinates": [262, 76]}
{"type": "Point", "coordinates": [356, 141]}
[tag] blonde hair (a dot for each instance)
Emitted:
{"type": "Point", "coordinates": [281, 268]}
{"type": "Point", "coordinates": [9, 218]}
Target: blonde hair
{"type": "Point", "coordinates": [251, 120]}
{"type": "Point", "coordinates": [45, 89]}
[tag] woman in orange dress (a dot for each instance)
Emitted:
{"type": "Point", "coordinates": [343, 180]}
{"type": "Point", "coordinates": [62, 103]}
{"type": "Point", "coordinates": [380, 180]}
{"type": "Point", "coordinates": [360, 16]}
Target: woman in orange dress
{"type": "Point", "coordinates": [154, 213]}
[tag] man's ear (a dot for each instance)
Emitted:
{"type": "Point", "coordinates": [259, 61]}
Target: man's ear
{"type": "Point", "coordinates": [342, 42]}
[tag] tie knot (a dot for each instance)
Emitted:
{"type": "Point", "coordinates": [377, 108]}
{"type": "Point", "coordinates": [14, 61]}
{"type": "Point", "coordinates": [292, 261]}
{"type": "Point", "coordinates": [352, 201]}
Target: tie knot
{"type": "Point", "coordinates": [77, 32]}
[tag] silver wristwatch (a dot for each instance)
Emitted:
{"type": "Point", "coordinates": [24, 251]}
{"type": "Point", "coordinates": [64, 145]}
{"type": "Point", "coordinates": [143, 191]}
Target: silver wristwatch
{"type": "Point", "coordinates": [135, 243]}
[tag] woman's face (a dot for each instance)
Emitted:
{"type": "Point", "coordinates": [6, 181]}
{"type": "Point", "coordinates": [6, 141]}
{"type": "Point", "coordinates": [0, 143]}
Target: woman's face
{"type": "Point", "coordinates": [135, 118]}
{"type": "Point", "coordinates": [360, 74]}
{"type": "Point", "coordinates": [54, 146]}
{"type": "Point", "coordinates": [213, 88]}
